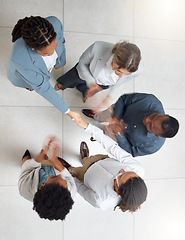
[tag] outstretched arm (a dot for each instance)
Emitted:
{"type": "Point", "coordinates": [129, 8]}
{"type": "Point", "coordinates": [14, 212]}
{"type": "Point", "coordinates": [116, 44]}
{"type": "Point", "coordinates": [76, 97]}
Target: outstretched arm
{"type": "Point", "coordinates": [109, 145]}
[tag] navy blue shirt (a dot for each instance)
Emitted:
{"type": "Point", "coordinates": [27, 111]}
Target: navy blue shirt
{"type": "Point", "coordinates": [133, 108]}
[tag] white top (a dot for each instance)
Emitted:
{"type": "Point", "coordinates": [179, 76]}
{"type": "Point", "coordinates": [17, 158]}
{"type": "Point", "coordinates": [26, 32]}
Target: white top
{"type": "Point", "coordinates": [107, 76]}
{"type": "Point", "coordinates": [99, 179]}
{"type": "Point", "coordinates": [29, 179]}
{"type": "Point", "coordinates": [50, 61]}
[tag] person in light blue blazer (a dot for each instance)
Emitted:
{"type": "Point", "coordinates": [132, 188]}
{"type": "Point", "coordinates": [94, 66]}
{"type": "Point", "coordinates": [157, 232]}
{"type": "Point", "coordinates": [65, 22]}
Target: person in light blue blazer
{"type": "Point", "coordinates": [38, 48]}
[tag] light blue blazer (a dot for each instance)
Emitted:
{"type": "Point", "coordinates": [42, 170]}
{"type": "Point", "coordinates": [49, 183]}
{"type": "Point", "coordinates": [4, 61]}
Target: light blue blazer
{"type": "Point", "coordinates": [27, 69]}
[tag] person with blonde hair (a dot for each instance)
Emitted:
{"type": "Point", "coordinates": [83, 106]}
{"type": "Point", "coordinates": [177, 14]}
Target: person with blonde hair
{"type": "Point", "coordinates": [103, 66]}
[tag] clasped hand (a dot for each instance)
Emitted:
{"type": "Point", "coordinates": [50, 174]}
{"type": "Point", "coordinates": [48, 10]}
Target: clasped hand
{"type": "Point", "coordinates": [77, 118]}
{"type": "Point", "coordinates": [116, 126]}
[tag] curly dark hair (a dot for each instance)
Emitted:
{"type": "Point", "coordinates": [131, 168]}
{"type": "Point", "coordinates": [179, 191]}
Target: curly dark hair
{"type": "Point", "coordinates": [37, 32]}
{"type": "Point", "coordinates": [52, 202]}
{"type": "Point", "coordinates": [127, 55]}
{"type": "Point", "coordinates": [133, 194]}
{"type": "Point", "coordinates": [170, 127]}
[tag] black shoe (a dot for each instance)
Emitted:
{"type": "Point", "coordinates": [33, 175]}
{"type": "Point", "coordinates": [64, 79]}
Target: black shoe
{"type": "Point", "coordinates": [64, 163]}
{"type": "Point", "coordinates": [26, 154]}
{"type": "Point", "coordinates": [84, 150]}
{"type": "Point", "coordinates": [88, 112]}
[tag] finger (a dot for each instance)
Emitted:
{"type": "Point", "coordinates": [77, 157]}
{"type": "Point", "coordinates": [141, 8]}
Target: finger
{"type": "Point", "coordinates": [55, 151]}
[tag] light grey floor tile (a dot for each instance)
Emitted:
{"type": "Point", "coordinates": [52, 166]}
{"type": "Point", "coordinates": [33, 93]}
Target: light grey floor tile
{"type": "Point", "coordinates": [162, 216]}
{"type": "Point", "coordinates": [163, 71]}
{"type": "Point", "coordinates": [168, 162]}
{"type": "Point", "coordinates": [104, 17]}
{"type": "Point", "coordinates": [19, 221]}
{"type": "Point", "coordinates": [12, 11]}
{"type": "Point", "coordinates": [87, 222]}
{"type": "Point", "coordinates": [21, 129]}
{"type": "Point", "coordinates": [160, 19]}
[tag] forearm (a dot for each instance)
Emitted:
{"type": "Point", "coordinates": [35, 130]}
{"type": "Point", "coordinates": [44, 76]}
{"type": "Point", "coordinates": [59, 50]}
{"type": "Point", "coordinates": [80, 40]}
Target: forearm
{"type": "Point", "coordinates": [52, 96]}
{"type": "Point", "coordinates": [57, 164]}
{"type": "Point", "coordinates": [85, 74]}
{"type": "Point", "coordinates": [40, 157]}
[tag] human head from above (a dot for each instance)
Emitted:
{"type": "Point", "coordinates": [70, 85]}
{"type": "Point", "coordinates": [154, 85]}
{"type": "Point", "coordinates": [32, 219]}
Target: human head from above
{"type": "Point", "coordinates": [53, 200]}
{"type": "Point", "coordinates": [161, 125]}
{"type": "Point", "coordinates": [132, 189]}
{"type": "Point", "coordinates": [38, 33]}
{"type": "Point", "coordinates": [126, 58]}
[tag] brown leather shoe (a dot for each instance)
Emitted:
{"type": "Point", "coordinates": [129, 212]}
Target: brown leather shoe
{"type": "Point", "coordinates": [88, 112]}
{"type": "Point", "coordinates": [64, 163]}
{"type": "Point", "coordinates": [84, 150]}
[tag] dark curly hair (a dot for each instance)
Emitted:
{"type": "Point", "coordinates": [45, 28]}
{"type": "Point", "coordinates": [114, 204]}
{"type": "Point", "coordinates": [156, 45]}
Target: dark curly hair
{"type": "Point", "coordinates": [37, 32]}
{"type": "Point", "coordinates": [133, 194]}
{"type": "Point", "coordinates": [52, 202]}
{"type": "Point", "coordinates": [127, 55]}
{"type": "Point", "coordinates": [170, 127]}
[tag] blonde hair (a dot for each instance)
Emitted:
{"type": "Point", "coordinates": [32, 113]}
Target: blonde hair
{"type": "Point", "coordinates": [127, 56]}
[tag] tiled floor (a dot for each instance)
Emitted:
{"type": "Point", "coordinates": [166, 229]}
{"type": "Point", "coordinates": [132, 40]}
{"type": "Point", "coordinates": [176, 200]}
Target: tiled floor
{"type": "Point", "coordinates": [157, 27]}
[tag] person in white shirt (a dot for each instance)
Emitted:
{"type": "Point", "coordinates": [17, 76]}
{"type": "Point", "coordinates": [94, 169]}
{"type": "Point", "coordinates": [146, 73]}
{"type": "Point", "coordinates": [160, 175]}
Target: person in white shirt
{"type": "Point", "coordinates": [47, 183]}
{"type": "Point", "coordinates": [103, 66]}
{"type": "Point", "coordinates": [107, 182]}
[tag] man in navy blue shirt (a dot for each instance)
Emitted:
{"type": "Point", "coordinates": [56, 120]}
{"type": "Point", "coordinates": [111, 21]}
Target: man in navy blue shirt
{"type": "Point", "coordinates": [139, 123]}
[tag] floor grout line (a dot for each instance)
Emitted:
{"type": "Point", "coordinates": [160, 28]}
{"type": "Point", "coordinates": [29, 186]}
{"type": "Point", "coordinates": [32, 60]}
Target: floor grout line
{"type": "Point", "coordinates": [71, 106]}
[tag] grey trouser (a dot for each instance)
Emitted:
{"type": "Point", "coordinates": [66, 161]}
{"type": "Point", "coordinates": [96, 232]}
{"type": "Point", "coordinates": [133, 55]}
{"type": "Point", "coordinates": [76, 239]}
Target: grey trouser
{"type": "Point", "coordinates": [79, 172]}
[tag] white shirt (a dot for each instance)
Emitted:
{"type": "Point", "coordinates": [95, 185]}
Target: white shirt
{"type": "Point", "coordinates": [98, 184]}
{"type": "Point", "coordinates": [107, 76]}
{"type": "Point", "coordinates": [50, 61]}
{"type": "Point", "coordinates": [29, 179]}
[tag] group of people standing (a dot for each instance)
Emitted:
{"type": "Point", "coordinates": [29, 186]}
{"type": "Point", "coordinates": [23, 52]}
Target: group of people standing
{"type": "Point", "coordinates": [135, 124]}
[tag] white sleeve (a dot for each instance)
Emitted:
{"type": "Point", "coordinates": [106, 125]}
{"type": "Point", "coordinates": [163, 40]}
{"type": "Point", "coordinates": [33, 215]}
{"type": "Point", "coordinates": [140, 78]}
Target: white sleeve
{"type": "Point", "coordinates": [88, 194]}
{"type": "Point", "coordinates": [108, 144]}
{"type": "Point", "coordinates": [117, 152]}
{"type": "Point", "coordinates": [29, 165]}
{"type": "Point", "coordinates": [29, 178]}
{"type": "Point", "coordinates": [83, 65]}
{"type": "Point", "coordinates": [104, 202]}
